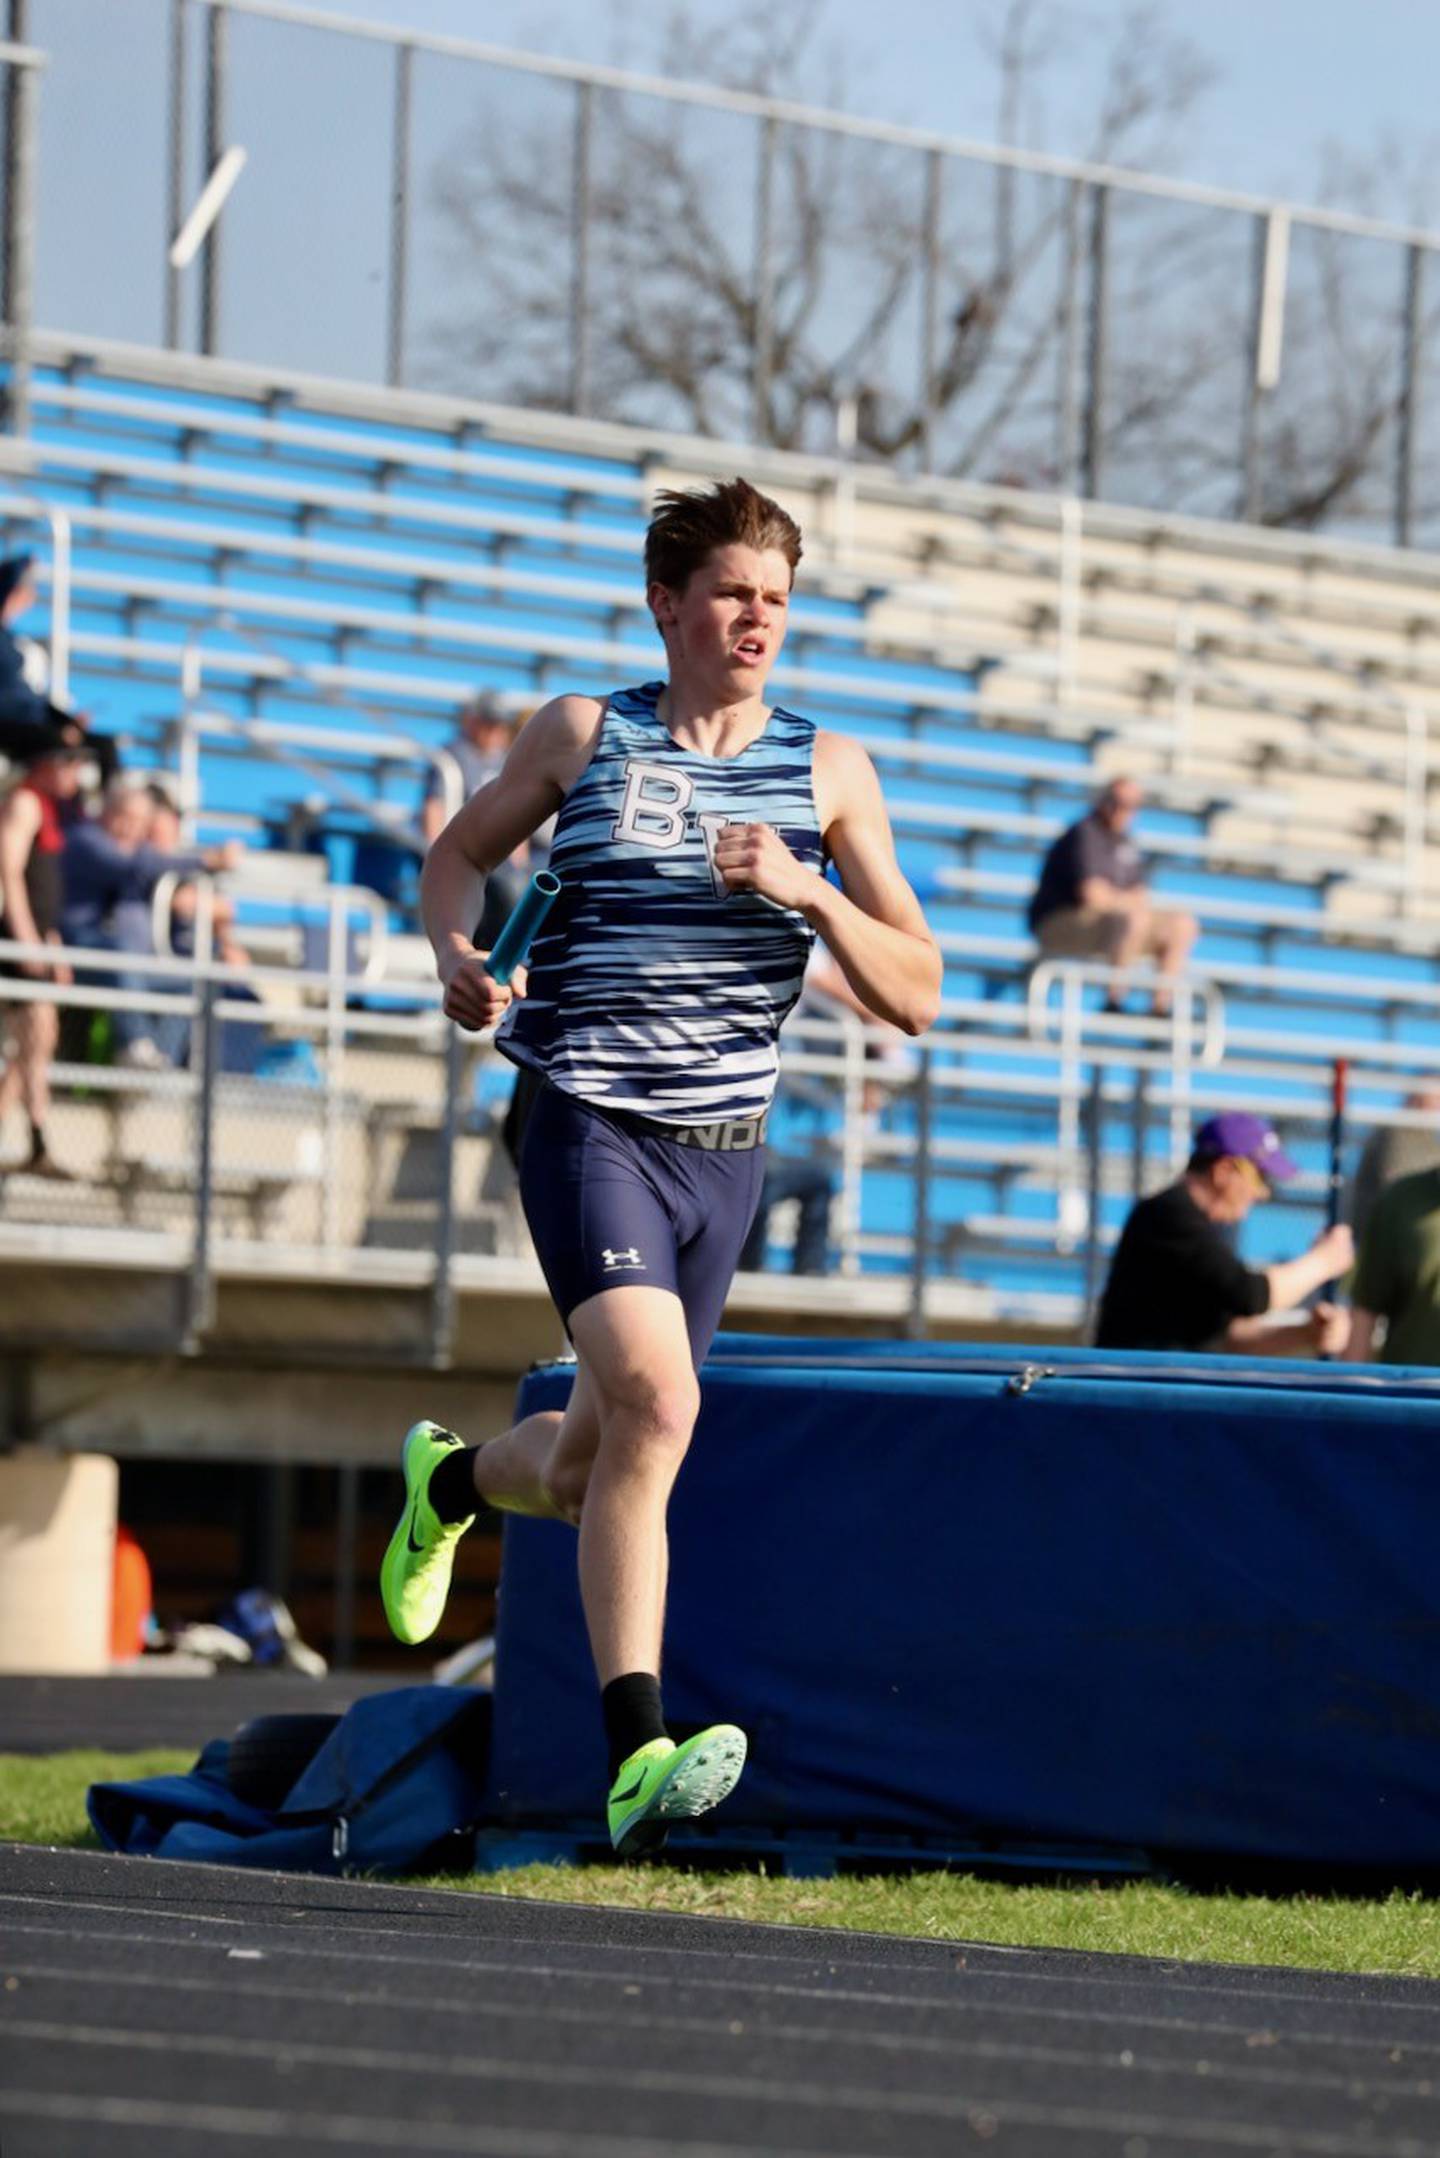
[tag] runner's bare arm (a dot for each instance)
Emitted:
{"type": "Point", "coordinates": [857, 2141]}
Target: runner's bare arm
{"type": "Point", "coordinates": [873, 925]}
{"type": "Point", "coordinates": [547, 758]}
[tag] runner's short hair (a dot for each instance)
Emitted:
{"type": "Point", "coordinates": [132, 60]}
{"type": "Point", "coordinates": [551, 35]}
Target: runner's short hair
{"type": "Point", "coordinates": [690, 523]}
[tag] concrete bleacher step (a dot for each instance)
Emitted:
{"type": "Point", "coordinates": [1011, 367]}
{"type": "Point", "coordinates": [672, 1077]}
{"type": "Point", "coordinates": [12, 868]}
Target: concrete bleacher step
{"type": "Point", "coordinates": [484, 1228]}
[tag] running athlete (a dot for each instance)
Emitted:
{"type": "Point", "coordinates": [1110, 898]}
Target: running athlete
{"type": "Point", "coordinates": [695, 823]}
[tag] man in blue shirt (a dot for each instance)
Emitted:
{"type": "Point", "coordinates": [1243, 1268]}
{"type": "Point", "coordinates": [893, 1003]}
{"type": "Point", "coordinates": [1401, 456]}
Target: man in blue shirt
{"type": "Point", "coordinates": [1092, 903]}
{"type": "Point", "coordinates": [110, 873]}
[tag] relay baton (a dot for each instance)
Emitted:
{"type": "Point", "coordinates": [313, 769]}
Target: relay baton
{"type": "Point", "coordinates": [520, 931]}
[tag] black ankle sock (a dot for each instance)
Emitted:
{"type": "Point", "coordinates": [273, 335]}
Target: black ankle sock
{"type": "Point", "coordinates": [452, 1485]}
{"type": "Point", "coordinates": [633, 1715]}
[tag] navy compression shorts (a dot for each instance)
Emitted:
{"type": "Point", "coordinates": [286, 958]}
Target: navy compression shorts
{"type": "Point", "coordinates": [611, 1205]}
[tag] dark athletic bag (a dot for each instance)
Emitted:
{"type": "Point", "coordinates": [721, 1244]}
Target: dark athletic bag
{"type": "Point", "coordinates": [396, 1782]}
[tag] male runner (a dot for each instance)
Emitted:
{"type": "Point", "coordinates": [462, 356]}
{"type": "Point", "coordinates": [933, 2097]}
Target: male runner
{"type": "Point", "coordinates": [694, 826]}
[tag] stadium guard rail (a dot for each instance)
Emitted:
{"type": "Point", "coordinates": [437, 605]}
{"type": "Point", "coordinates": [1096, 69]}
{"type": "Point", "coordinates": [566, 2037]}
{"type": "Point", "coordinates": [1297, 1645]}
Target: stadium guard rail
{"type": "Point", "coordinates": [1020, 1604]}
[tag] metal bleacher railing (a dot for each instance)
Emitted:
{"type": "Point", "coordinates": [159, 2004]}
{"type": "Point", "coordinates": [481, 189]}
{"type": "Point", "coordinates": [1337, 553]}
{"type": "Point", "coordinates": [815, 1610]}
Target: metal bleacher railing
{"type": "Point", "coordinates": [319, 1130]}
{"type": "Point", "coordinates": [1383, 684]}
{"type": "Point", "coordinates": [1096, 216]}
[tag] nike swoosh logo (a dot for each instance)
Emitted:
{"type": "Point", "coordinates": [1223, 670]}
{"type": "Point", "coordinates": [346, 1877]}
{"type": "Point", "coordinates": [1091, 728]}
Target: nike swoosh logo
{"type": "Point", "coordinates": [618, 1798]}
{"type": "Point", "coordinates": [414, 1517]}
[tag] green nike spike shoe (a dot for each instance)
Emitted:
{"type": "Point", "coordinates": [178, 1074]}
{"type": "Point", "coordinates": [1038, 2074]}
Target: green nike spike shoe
{"type": "Point", "coordinates": [663, 1782]}
{"type": "Point", "coordinates": [415, 1571]}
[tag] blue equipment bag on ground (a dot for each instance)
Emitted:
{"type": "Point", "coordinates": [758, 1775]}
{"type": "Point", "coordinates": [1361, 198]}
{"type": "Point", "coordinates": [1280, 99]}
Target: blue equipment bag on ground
{"type": "Point", "coordinates": [400, 1773]}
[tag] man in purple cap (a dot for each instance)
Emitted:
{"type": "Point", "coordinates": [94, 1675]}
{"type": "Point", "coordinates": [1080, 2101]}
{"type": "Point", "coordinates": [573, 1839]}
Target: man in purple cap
{"type": "Point", "coordinates": [1177, 1282]}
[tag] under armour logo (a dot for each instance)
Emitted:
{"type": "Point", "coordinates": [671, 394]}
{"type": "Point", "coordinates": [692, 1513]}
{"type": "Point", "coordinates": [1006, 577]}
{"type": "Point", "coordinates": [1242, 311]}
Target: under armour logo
{"type": "Point", "coordinates": [629, 1257]}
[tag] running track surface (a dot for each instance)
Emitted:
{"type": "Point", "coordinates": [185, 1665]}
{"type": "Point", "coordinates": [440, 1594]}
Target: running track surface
{"type": "Point", "coordinates": [172, 2011]}
{"type": "Point", "coordinates": [164, 2009]}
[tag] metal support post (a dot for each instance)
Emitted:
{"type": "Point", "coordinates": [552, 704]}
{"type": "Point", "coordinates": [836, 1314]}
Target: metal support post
{"type": "Point", "coordinates": [764, 356]}
{"type": "Point", "coordinates": [1067, 443]}
{"type": "Point", "coordinates": [580, 250]}
{"type": "Point", "coordinates": [1250, 432]}
{"type": "Point", "coordinates": [1092, 469]}
{"type": "Point", "coordinates": [930, 307]}
{"type": "Point", "coordinates": [16, 25]}
{"type": "Point", "coordinates": [175, 193]}
{"type": "Point", "coordinates": [1139, 1129]}
{"type": "Point", "coordinates": [1417, 802]}
{"type": "Point", "coordinates": [21, 99]}
{"type": "Point", "coordinates": [217, 35]}
{"type": "Point", "coordinates": [852, 1138]}
{"type": "Point", "coordinates": [1412, 355]}
{"type": "Point", "coordinates": [199, 1296]}
{"type": "Point", "coordinates": [916, 1324]}
{"type": "Point", "coordinates": [337, 961]}
{"type": "Point", "coordinates": [1067, 612]}
{"type": "Point", "coordinates": [1182, 1054]}
{"type": "Point", "coordinates": [1072, 1020]}
{"type": "Point", "coordinates": [347, 1526]}
{"type": "Point", "coordinates": [399, 214]}
{"type": "Point", "coordinates": [1267, 325]}
{"type": "Point", "coordinates": [1094, 1149]}
{"type": "Point", "coordinates": [442, 1294]}
{"type": "Point", "coordinates": [1182, 704]}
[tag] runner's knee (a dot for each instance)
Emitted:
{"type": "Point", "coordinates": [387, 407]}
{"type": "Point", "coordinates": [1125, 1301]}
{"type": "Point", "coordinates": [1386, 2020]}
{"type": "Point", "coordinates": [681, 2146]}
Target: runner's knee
{"type": "Point", "coordinates": [653, 1412]}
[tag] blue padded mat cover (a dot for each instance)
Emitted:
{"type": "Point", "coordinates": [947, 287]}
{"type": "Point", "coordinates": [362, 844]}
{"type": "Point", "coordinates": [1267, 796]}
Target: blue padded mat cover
{"type": "Point", "coordinates": [1187, 1617]}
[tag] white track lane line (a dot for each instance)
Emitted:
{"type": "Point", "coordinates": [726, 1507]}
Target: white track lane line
{"type": "Point", "coordinates": [984, 2116]}
{"type": "Point", "coordinates": [1149, 1971]}
{"type": "Point", "coordinates": [307, 2131]}
{"type": "Point", "coordinates": [1120, 2058]}
{"type": "Point", "coordinates": [747, 1987]}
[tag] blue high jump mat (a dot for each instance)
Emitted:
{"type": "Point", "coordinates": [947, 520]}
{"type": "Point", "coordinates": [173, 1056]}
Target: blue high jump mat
{"type": "Point", "coordinates": [1034, 1605]}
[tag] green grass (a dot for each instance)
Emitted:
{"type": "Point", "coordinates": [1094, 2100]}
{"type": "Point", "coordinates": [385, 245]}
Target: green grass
{"type": "Point", "coordinates": [42, 1800]}
{"type": "Point", "coordinates": [1399, 1933]}
{"type": "Point", "coordinates": [42, 1796]}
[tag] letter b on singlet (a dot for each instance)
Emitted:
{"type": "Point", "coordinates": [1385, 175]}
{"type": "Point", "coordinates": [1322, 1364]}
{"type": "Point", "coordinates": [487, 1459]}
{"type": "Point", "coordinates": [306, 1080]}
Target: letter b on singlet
{"type": "Point", "coordinates": [653, 811]}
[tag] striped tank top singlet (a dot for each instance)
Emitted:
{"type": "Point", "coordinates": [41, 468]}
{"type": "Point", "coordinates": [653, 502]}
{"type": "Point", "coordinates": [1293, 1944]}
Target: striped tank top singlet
{"type": "Point", "coordinates": [652, 988]}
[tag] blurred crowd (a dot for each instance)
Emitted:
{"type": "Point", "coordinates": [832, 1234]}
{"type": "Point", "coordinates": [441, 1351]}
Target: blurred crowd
{"type": "Point", "coordinates": [85, 847]}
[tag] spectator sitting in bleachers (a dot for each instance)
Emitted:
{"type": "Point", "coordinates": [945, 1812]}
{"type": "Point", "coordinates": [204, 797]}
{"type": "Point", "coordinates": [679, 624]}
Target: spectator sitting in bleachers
{"type": "Point", "coordinates": [1091, 901]}
{"type": "Point", "coordinates": [111, 869]}
{"type": "Point", "coordinates": [30, 903]}
{"type": "Point", "coordinates": [1393, 1151]}
{"type": "Point", "coordinates": [1177, 1282]}
{"type": "Point", "coordinates": [1397, 1276]}
{"type": "Point", "coordinates": [480, 746]}
{"type": "Point", "coordinates": [165, 838]}
{"type": "Point", "coordinates": [29, 722]}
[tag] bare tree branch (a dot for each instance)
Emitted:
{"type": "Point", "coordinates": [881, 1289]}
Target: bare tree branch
{"type": "Point", "coordinates": [674, 317]}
